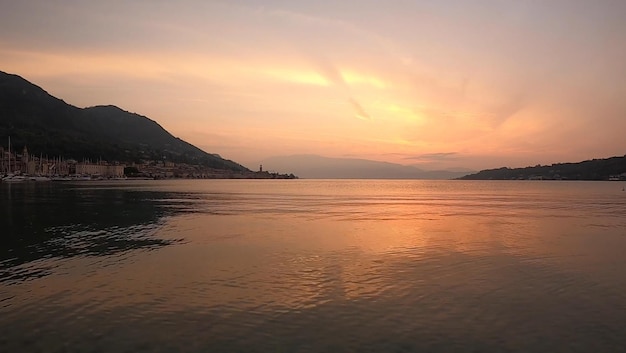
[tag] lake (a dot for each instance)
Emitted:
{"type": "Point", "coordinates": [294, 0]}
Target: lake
{"type": "Point", "coordinates": [313, 266]}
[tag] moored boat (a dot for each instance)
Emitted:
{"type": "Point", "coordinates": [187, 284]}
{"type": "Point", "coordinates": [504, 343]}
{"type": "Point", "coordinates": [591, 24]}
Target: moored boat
{"type": "Point", "coordinates": [12, 178]}
{"type": "Point", "coordinates": [39, 178]}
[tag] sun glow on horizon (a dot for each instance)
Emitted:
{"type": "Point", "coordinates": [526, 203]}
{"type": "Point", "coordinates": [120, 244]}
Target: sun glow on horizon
{"type": "Point", "coordinates": [295, 76]}
{"type": "Point", "coordinates": [342, 80]}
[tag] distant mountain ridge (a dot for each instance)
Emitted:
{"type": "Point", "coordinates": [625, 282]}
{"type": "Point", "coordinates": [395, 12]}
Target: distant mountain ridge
{"type": "Point", "coordinates": [48, 125]}
{"type": "Point", "coordinates": [319, 167]}
{"type": "Point", "coordinates": [613, 168]}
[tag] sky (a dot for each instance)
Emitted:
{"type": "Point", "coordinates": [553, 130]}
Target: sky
{"type": "Point", "coordinates": [437, 84]}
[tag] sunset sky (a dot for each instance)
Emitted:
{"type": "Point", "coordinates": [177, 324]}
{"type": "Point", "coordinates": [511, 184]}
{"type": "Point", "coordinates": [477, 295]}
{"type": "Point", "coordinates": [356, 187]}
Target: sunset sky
{"type": "Point", "coordinates": [475, 84]}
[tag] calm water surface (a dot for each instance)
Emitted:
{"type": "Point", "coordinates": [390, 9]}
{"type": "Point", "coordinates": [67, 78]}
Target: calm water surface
{"type": "Point", "coordinates": [313, 266]}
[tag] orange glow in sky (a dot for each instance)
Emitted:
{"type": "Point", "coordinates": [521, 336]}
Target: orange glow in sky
{"type": "Point", "coordinates": [472, 84]}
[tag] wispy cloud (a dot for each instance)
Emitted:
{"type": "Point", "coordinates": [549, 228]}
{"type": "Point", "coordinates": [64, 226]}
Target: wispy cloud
{"type": "Point", "coordinates": [329, 71]}
{"type": "Point", "coordinates": [359, 112]}
{"type": "Point", "coordinates": [509, 107]}
{"type": "Point", "coordinates": [437, 156]}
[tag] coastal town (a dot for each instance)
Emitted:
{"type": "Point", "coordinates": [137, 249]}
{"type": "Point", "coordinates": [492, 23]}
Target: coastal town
{"type": "Point", "coordinates": [15, 167]}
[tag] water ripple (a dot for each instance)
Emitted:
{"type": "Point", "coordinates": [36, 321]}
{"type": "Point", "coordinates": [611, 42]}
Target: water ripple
{"type": "Point", "coordinates": [315, 266]}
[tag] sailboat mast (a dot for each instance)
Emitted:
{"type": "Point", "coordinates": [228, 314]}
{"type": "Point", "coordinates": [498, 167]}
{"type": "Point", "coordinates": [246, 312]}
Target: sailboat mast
{"type": "Point", "coordinates": [9, 155]}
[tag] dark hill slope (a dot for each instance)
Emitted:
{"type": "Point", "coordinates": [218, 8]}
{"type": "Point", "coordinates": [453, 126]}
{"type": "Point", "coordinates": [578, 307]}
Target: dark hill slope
{"type": "Point", "coordinates": [48, 125]}
{"type": "Point", "coordinates": [596, 169]}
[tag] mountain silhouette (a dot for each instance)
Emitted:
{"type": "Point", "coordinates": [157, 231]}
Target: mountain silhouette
{"type": "Point", "coordinates": [320, 167]}
{"type": "Point", "coordinates": [48, 125]}
{"type": "Point", "coordinates": [613, 168]}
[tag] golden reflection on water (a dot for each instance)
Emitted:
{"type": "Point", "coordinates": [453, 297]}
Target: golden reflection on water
{"type": "Point", "coordinates": [293, 262]}
{"type": "Point", "coordinates": [451, 259]}
{"type": "Point", "coordinates": [261, 262]}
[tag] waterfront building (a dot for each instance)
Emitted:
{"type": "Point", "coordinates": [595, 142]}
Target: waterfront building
{"type": "Point", "coordinates": [100, 169]}
{"type": "Point", "coordinates": [27, 164]}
